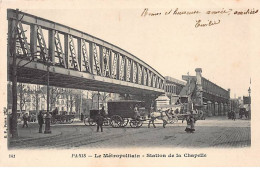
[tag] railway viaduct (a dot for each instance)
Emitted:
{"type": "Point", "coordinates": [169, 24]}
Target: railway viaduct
{"type": "Point", "coordinates": [214, 99]}
{"type": "Point", "coordinates": [75, 59]}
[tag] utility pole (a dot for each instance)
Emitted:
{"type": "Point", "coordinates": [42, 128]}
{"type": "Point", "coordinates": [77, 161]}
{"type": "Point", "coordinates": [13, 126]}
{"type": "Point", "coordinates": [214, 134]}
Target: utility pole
{"type": "Point", "coordinates": [98, 99]}
{"type": "Point", "coordinates": [48, 116]}
{"type": "Point", "coordinates": [13, 32]}
{"type": "Point", "coordinates": [190, 107]}
{"type": "Point", "coordinates": [80, 107]}
{"type": "Point", "coordinates": [249, 105]}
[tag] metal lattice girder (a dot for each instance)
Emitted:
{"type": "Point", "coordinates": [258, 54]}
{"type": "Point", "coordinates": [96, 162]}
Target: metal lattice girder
{"type": "Point", "coordinates": [85, 57]}
{"type": "Point", "coordinates": [149, 78]}
{"type": "Point", "coordinates": [122, 68]}
{"type": "Point", "coordinates": [154, 78]}
{"type": "Point", "coordinates": [162, 84]}
{"type": "Point", "coordinates": [157, 82]}
{"type": "Point", "coordinates": [73, 59]}
{"type": "Point", "coordinates": [43, 49]}
{"type": "Point", "coordinates": [96, 60]}
{"type": "Point", "coordinates": [59, 51]}
{"type": "Point", "coordinates": [128, 70]}
{"type": "Point", "coordinates": [145, 77]}
{"type": "Point", "coordinates": [114, 66]}
{"type": "Point", "coordinates": [22, 43]}
{"type": "Point", "coordinates": [134, 72]}
{"type": "Point", "coordinates": [140, 70]}
{"type": "Point", "coordinates": [106, 54]}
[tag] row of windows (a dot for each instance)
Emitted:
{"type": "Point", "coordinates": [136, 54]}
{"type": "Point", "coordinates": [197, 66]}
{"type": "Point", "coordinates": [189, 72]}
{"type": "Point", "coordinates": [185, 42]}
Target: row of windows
{"type": "Point", "coordinates": [214, 88]}
{"type": "Point", "coordinates": [172, 89]}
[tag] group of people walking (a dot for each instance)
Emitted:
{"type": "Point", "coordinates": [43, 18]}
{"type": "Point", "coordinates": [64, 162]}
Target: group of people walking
{"type": "Point", "coordinates": [99, 119]}
{"type": "Point", "coordinates": [40, 117]}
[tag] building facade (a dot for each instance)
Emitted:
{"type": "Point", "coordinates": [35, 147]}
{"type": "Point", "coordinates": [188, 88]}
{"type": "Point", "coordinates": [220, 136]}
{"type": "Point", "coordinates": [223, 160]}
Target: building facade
{"type": "Point", "coordinates": [173, 88]}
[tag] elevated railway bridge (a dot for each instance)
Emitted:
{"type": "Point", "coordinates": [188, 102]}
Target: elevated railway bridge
{"type": "Point", "coordinates": [215, 99]}
{"type": "Point", "coordinates": [75, 59]}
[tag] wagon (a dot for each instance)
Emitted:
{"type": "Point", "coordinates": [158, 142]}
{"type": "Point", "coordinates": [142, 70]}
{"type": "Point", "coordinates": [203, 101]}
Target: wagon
{"type": "Point", "coordinates": [91, 120]}
{"type": "Point", "coordinates": [122, 112]}
{"type": "Point", "coordinates": [63, 119]}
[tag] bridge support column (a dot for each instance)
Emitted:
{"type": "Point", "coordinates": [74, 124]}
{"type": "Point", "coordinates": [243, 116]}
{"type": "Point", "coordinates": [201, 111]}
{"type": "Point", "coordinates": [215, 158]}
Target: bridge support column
{"type": "Point", "coordinates": [198, 99]}
{"type": "Point", "coordinates": [216, 109]}
{"type": "Point", "coordinates": [225, 109]}
{"type": "Point", "coordinates": [221, 110]}
{"type": "Point", "coordinates": [209, 108]}
{"type": "Point", "coordinates": [212, 108]}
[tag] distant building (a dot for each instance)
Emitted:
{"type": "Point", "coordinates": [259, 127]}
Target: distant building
{"type": "Point", "coordinates": [173, 88]}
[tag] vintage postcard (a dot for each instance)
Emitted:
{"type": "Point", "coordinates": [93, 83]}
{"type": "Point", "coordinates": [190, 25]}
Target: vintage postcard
{"type": "Point", "coordinates": [129, 83]}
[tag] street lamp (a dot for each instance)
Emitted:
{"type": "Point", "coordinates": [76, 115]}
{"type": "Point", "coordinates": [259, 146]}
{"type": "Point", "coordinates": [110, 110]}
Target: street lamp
{"type": "Point", "coordinates": [48, 116]}
{"type": "Point", "coordinates": [98, 99]}
{"type": "Point", "coordinates": [249, 92]}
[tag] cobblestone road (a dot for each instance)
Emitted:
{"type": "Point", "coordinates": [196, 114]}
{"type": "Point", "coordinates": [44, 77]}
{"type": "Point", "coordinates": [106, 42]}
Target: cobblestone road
{"type": "Point", "coordinates": [213, 132]}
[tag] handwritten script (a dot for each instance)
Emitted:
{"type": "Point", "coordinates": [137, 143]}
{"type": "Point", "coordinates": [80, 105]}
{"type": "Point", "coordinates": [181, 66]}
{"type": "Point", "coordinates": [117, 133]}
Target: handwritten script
{"type": "Point", "coordinates": [199, 23]}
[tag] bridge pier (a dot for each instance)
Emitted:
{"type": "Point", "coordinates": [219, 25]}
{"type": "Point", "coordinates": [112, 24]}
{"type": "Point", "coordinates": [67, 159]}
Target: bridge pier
{"type": "Point", "coordinates": [221, 109]}
{"type": "Point", "coordinates": [209, 108]}
{"type": "Point", "coordinates": [216, 109]}
{"type": "Point", "coordinates": [225, 109]}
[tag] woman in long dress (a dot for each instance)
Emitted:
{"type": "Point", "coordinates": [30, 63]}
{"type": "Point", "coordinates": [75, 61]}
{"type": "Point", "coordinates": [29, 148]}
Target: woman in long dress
{"type": "Point", "coordinates": [190, 128]}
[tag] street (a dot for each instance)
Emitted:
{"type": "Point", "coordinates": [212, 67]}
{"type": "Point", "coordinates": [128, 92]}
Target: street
{"type": "Point", "coordinates": [212, 132]}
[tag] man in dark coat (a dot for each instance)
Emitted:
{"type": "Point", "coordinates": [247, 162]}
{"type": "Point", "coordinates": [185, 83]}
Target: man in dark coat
{"type": "Point", "coordinates": [55, 112]}
{"type": "Point", "coordinates": [81, 117]}
{"type": "Point", "coordinates": [100, 121]}
{"type": "Point", "coordinates": [40, 121]}
{"type": "Point", "coordinates": [103, 112]}
{"type": "Point", "coordinates": [25, 120]}
{"type": "Point", "coordinates": [233, 115]}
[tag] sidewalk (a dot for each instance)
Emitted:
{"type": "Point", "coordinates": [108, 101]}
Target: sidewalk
{"type": "Point", "coordinates": [32, 133]}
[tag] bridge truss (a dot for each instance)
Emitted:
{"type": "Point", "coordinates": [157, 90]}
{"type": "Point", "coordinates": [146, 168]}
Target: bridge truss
{"type": "Point", "coordinates": [76, 59]}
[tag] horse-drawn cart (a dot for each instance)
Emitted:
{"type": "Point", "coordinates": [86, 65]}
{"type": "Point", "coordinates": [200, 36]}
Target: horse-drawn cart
{"type": "Point", "coordinates": [62, 119]}
{"type": "Point", "coordinates": [91, 120]}
{"type": "Point", "coordinates": [122, 112]}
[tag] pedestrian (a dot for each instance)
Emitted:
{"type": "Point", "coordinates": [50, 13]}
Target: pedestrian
{"type": "Point", "coordinates": [100, 121]}
{"type": "Point", "coordinates": [193, 120]}
{"type": "Point", "coordinates": [136, 113]}
{"type": "Point", "coordinates": [25, 120]}
{"type": "Point", "coordinates": [81, 117]}
{"type": "Point", "coordinates": [40, 121]}
{"type": "Point", "coordinates": [103, 112]}
{"type": "Point", "coordinates": [190, 128]}
{"type": "Point", "coordinates": [55, 111]}
{"type": "Point", "coordinates": [233, 115]}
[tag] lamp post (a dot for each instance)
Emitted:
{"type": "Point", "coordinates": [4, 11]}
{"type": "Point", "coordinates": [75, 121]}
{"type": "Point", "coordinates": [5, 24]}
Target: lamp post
{"type": "Point", "coordinates": [48, 116]}
{"type": "Point", "coordinates": [98, 99]}
{"type": "Point", "coordinates": [249, 96]}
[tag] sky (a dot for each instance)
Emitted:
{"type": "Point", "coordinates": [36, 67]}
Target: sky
{"type": "Point", "coordinates": [171, 44]}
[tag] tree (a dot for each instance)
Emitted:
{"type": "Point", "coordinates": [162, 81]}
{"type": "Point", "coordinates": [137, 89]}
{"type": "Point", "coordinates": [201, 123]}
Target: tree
{"type": "Point", "coordinates": [78, 94]}
{"type": "Point", "coordinates": [23, 95]}
{"type": "Point", "coordinates": [36, 97]}
{"type": "Point", "coordinates": [12, 36]}
{"type": "Point", "coordinates": [92, 95]}
{"type": "Point", "coordinates": [55, 93]}
{"type": "Point", "coordinates": [104, 96]}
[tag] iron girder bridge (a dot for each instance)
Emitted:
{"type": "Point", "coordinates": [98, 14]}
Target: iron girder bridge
{"type": "Point", "coordinates": [75, 59]}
